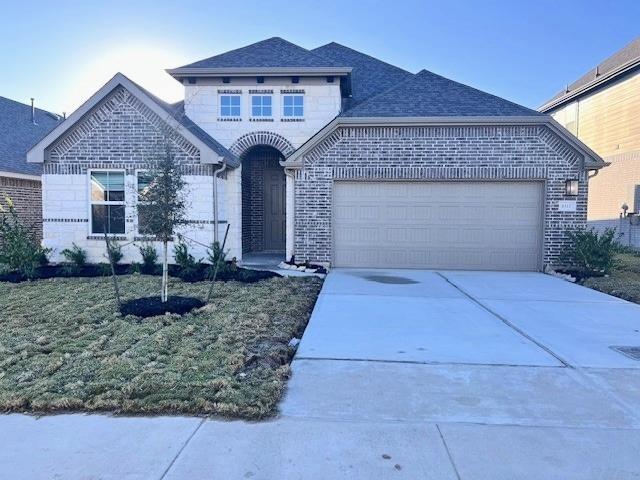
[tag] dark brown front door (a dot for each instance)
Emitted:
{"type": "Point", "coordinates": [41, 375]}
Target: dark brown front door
{"type": "Point", "coordinates": [274, 208]}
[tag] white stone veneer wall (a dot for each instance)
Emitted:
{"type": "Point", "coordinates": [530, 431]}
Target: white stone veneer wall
{"type": "Point", "coordinates": [66, 213]}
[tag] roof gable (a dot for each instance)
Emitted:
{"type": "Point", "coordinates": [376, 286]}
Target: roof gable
{"type": "Point", "coordinates": [429, 95]}
{"type": "Point", "coordinates": [18, 133]}
{"type": "Point", "coordinates": [211, 151]}
{"type": "Point", "coordinates": [270, 53]}
{"type": "Point", "coordinates": [369, 76]}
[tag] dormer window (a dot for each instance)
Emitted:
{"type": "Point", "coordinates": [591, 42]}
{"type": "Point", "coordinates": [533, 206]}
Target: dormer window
{"type": "Point", "coordinates": [261, 106]}
{"type": "Point", "coordinates": [229, 105]}
{"type": "Point", "coordinates": [293, 106]}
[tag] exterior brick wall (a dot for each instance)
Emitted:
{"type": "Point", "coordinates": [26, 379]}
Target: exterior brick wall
{"type": "Point", "coordinates": [466, 153]}
{"type": "Point", "coordinates": [27, 198]}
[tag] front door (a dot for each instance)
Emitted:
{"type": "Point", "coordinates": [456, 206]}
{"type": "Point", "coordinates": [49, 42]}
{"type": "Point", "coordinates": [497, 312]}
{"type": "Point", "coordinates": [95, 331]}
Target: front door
{"type": "Point", "coordinates": [274, 208]}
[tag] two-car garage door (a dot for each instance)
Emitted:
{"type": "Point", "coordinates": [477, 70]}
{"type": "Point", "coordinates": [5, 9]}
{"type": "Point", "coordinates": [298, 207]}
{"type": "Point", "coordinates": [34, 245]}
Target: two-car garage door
{"type": "Point", "coordinates": [447, 225]}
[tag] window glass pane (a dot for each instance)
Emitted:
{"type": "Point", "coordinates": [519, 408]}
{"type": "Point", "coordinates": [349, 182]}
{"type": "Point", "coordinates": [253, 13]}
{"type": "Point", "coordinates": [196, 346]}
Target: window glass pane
{"type": "Point", "coordinates": [235, 100]}
{"type": "Point", "coordinates": [99, 222]}
{"type": "Point", "coordinates": [288, 111]}
{"type": "Point", "coordinates": [297, 111]}
{"type": "Point", "coordinates": [255, 111]}
{"type": "Point", "coordinates": [266, 111]}
{"type": "Point", "coordinates": [116, 186]}
{"type": "Point", "coordinates": [99, 184]}
{"type": "Point", "coordinates": [224, 100]}
{"type": "Point", "coordinates": [255, 101]}
{"type": "Point", "coordinates": [266, 101]}
{"type": "Point", "coordinates": [116, 218]}
{"type": "Point", "coordinates": [144, 179]}
{"type": "Point", "coordinates": [143, 213]}
{"type": "Point", "coordinates": [235, 111]}
{"type": "Point", "coordinates": [297, 100]}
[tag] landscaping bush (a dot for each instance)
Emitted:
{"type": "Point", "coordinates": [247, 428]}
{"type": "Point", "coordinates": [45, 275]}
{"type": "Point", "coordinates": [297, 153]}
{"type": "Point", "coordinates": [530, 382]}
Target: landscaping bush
{"type": "Point", "coordinates": [589, 252]}
{"type": "Point", "coordinates": [217, 255]}
{"type": "Point", "coordinates": [149, 256]}
{"type": "Point", "coordinates": [76, 257]}
{"type": "Point", "coordinates": [114, 251]}
{"type": "Point", "coordinates": [20, 250]}
{"type": "Point", "coordinates": [188, 267]}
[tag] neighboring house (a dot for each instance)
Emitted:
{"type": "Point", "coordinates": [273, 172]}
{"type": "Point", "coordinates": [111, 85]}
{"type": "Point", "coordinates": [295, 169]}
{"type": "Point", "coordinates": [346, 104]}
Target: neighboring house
{"type": "Point", "coordinates": [329, 155]}
{"type": "Point", "coordinates": [602, 108]}
{"type": "Point", "coordinates": [21, 126]}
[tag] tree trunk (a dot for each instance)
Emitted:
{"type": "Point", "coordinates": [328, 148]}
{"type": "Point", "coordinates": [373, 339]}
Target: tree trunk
{"type": "Point", "coordinates": [165, 273]}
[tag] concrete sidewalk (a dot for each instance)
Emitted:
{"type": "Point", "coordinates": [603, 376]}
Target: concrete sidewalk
{"type": "Point", "coordinates": [400, 374]}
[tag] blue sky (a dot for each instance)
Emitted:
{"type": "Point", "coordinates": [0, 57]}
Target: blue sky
{"type": "Point", "coordinates": [60, 52]}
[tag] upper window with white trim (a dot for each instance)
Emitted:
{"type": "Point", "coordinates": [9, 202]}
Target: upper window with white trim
{"type": "Point", "coordinates": [107, 202]}
{"type": "Point", "coordinates": [293, 105]}
{"type": "Point", "coordinates": [261, 106]}
{"type": "Point", "coordinates": [229, 105]}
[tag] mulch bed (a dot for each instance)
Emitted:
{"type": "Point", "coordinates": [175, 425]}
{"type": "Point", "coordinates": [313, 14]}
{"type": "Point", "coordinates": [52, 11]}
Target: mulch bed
{"type": "Point", "coordinates": [199, 274]}
{"type": "Point", "coordinates": [153, 306]}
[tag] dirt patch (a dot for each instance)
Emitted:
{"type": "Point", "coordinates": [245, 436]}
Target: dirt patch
{"type": "Point", "coordinates": [153, 306]}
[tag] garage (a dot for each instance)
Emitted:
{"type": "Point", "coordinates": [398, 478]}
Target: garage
{"type": "Point", "coordinates": [443, 225]}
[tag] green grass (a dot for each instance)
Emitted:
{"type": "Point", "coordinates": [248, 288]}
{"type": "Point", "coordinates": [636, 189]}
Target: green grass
{"type": "Point", "coordinates": [64, 347]}
{"type": "Point", "coordinates": [624, 280]}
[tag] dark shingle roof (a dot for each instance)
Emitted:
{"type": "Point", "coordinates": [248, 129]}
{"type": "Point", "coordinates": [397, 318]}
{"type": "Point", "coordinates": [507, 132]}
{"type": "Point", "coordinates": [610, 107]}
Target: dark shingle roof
{"type": "Point", "coordinates": [176, 110]}
{"type": "Point", "coordinates": [628, 54]}
{"type": "Point", "coordinates": [269, 53]}
{"type": "Point", "coordinates": [429, 95]}
{"type": "Point", "coordinates": [18, 134]}
{"type": "Point", "coordinates": [369, 76]}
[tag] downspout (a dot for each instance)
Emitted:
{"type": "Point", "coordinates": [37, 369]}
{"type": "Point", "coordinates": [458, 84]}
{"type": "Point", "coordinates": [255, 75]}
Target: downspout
{"type": "Point", "coordinates": [215, 198]}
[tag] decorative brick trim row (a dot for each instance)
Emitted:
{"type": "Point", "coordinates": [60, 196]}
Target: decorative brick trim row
{"type": "Point", "coordinates": [261, 119]}
{"type": "Point", "coordinates": [130, 167]}
{"type": "Point", "coordinates": [324, 145]}
{"type": "Point", "coordinates": [252, 139]}
{"type": "Point", "coordinates": [204, 222]}
{"type": "Point", "coordinates": [292, 90]}
{"type": "Point", "coordinates": [104, 111]}
{"type": "Point", "coordinates": [292, 119]}
{"type": "Point", "coordinates": [560, 146]}
{"type": "Point", "coordinates": [438, 173]}
{"type": "Point", "coordinates": [229, 119]}
{"type": "Point", "coordinates": [18, 182]}
{"type": "Point", "coordinates": [230, 91]}
{"type": "Point", "coordinates": [118, 238]}
{"type": "Point", "coordinates": [66, 220]}
{"type": "Point", "coordinates": [258, 92]}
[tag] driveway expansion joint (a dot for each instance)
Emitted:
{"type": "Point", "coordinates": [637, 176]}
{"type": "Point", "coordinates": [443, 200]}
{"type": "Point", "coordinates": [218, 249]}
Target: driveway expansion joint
{"type": "Point", "coordinates": [182, 448]}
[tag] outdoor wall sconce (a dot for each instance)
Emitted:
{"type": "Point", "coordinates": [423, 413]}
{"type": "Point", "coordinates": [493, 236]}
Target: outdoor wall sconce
{"type": "Point", "coordinates": [571, 188]}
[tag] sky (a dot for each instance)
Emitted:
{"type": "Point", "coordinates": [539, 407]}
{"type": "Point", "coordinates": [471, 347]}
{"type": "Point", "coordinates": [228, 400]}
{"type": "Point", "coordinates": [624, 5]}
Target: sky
{"type": "Point", "coordinates": [61, 52]}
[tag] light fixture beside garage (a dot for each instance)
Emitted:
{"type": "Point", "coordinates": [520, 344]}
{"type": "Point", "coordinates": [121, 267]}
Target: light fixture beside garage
{"type": "Point", "coordinates": [571, 187]}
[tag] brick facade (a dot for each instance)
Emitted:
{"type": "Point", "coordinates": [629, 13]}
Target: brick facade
{"type": "Point", "coordinates": [465, 153]}
{"type": "Point", "coordinates": [27, 199]}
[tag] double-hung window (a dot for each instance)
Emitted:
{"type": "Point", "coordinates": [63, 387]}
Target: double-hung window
{"type": "Point", "coordinates": [229, 105]}
{"type": "Point", "coordinates": [143, 180]}
{"type": "Point", "coordinates": [107, 202]}
{"type": "Point", "coordinates": [293, 106]}
{"type": "Point", "coordinates": [261, 106]}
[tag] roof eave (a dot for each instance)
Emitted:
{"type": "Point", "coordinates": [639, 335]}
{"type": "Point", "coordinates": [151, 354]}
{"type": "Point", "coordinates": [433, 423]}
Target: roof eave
{"type": "Point", "coordinates": [591, 159]}
{"type": "Point", "coordinates": [596, 83]}
{"type": "Point", "coordinates": [253, 71]}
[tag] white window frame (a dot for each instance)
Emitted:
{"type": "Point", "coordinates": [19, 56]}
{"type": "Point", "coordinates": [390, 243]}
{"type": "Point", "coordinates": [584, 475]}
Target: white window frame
{"type": "Point", "coordinates": [91, 202]}
{"type": "Point", "coordinates": [293, 115]}
{"type": "Point", "coordinates": [220, 97]}
{"type": "Point", "coordinates": [261, 106]}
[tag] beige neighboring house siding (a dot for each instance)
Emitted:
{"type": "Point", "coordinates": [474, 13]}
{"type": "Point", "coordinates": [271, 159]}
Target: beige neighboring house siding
{"type": "Point", "coordinates": [608, 121]}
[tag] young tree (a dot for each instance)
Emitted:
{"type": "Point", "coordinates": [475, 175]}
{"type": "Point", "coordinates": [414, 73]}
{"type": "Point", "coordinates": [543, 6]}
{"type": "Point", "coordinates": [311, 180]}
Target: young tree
{"type": "Point", "coordinates": [161, 205]}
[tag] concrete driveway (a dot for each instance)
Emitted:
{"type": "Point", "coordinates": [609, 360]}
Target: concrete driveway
{"type": "Point", "coordinates": [400, 374]}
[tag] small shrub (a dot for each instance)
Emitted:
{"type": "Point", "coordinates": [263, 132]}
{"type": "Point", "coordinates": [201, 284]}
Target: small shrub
{"type": "Point", "coordinates": [76, 257]}
{"type": "Point", "coordinates": [149, 256]}
{"type": "Point", "coordinates": [114, 251]}
{"type": "Point", "coordinates": [590, 251]}
{"type": "Point", "coordinates": [20, 249]}
{"type": "Point", "coordinates": [217, 255]}
{"type": "Point", "coordinates": [189, 266]}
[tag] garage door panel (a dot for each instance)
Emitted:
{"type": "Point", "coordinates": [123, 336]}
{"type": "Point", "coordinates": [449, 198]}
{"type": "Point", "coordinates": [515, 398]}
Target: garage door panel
{"type": "Point", "coordinates": [464, 225]}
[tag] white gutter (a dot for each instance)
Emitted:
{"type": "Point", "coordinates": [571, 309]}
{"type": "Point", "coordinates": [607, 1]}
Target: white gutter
{"type": "Point", "coordinates": [21, 176]}
{"type": "Point", "coordinates": [262, 71]}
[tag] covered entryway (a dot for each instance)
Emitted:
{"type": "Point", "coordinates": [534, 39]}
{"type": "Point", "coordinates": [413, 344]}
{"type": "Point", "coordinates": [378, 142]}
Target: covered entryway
{"type": "Point", "coordinates": [446, 225]}
{"type": "Point", "coordinates": [263, 201]}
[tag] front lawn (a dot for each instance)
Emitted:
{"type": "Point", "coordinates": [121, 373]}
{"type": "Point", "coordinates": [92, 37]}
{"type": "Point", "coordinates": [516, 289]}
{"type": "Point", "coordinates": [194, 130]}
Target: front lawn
{"type": "Point", "coordinates": [64, 347]}
{"type": "Point", "coordinates": [624, 280]}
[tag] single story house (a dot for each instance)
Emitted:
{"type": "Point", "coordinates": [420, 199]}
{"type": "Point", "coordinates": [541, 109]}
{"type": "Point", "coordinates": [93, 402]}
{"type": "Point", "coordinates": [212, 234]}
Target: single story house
{"type": "Point", "coordinates": [21, 126]}
{"type": "Point", "coordinates": [328, 155]}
